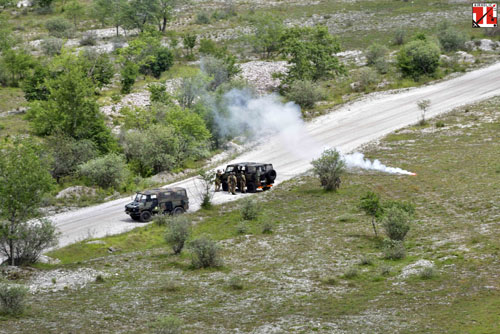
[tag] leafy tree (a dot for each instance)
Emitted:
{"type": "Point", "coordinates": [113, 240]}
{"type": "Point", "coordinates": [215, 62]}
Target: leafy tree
{"type": "Point", "coordinates": [98, 66]}
{"type": "Point", "coordinates": [190, 89]}
{"type": "Point", "coordinates": [268, 33]}
{"type": "Point", "coordinates": [418, 57]}
{"type": "Point", "coordinates": [328, 168]}
{"type": "Point", "coordinates": [67, 153]}
{"type": "Point", "coordinates": [371, 205]}
{"type": "Point", "coordinates": [396, 223]}
{"type": "Point", "coordinates": [7, 39]}
{"type": "Point", "coordinates": [71, 107]}
{"type": "Point", "coordinates": [164, 59]}
{"type": "Point", "coordinates": [164, 13]}
{"type": "Point", "coordinates": [17, 64]}
{"type": "Point", "coordinates": [159, 94]}
{"type": "Point", "coordinates": [375, 56]}
{"type": "Point", "coordinates": [129, 73]}
{"type": "Point", "coordinates": [189, 42]}
{"type": "Point", "coordinates": [423, 105]}
{"type": "Point", "coordinates": [110, 12]}
{"type": "Point", "coordinates": [138, 13]}
{"type": "Point", "coordinates": [59, 27]}
{"type": "Point", "coordinates": [34, 85]}
{"type": "Point", "coordinates": [74, 11]}
{"type": "Point", "coordinates": [311, 54]}
{"type": "Point", "coordinates": [305, 93]}
{"type": "Point", "coordinates": [24, 180]}
{"type": "Point", "coordinates": [107, 171]}
{"type": "Point", "coordinates": [220, 69]}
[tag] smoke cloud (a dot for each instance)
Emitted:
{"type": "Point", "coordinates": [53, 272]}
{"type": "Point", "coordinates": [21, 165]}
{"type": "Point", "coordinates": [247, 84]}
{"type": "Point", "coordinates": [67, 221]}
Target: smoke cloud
{"type": "Point", "coordinates": [268, 115]}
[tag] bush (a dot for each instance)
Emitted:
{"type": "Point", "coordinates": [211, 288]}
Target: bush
{"type": "Point", "coordinates": [59, 27]}
{"type": "Point", "coordinates": [366, 261]}
{"type": "Point", "coordinates": [330, 280]}
{"type": "Point", "coordinates": [400, 36]}
{"type": "Point", "coordinates": [202, 18]}
{"type": "Point", "coordinates": [267, 227]}
{"type": "Point", "coordinates": [351, 272]}
{"type": "Point", "coordinates": [396, 223]}
{"type": "Point", "coordinates": [305, 93]}
{"type": "Point", "coordinates": [385, 270]}
{"type": "Point", "coordinates": [249, 210]}
{"type": "Point", "coordinates": [440, 124]}
{"type": "Point", "coordinates": [51, 46]}
{"type": "Point", "coordinates": [89, 39]}
{"type": "Point", "coordinates": [241, 228]}
{"type": "Point", "coordinates": [236, 283]}
{"type": "Point", "coordinates": [177, 233]}
{"type": "Point", "coordinates": [159, 94]}
{"type": "Point", "coordinates": [366, 77]}
{"type": "Point", "coordinates": [450, 38]}
{"type": "Point", "coordinates": [418, 57]}
{"type": "Point", "coordinates": [205, 253]}
{"type": "Point", "coordinates": [31, 239]}
{"type": "Point", "coordinates": [375, 56]}
{"type": "Point", "coordinates": [106, 171]}
{"type": "Point", "coordinates": [129, 73]}
{"type": "Point", "coordinates": [328, 168]}
{"type": "Point", "coordinates": [12, 298]}
{"type": "Point", "coordinates": [394, 249]}
{"type": "Point", "coordinates": [168, 325]}
{"type": "Point", "coordinates": [427, 273]}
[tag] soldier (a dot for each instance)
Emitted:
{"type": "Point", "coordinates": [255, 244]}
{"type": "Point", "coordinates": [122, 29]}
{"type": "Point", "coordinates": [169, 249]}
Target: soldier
{"type": "Point", "coordinates": [243, 182]}
{"type": "Point", "coordinates": [337, 183]}
{"type": "Point", "coordinates": [218, 180]}
{"type": "Point", "coordinates": [233, 180]}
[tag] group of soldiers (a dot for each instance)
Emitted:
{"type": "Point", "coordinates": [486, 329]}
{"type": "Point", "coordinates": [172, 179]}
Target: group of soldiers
{"type": "Point", "coordinates": [233, 180]}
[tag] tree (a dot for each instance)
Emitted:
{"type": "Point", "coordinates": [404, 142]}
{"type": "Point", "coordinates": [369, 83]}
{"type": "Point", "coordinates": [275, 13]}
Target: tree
{"type": "Point", "coordinates": [98, 66]}
{"type": "Point", "coordinates": [423, 105]}
{"type": "Point", "coordinates": [268, 33]}
{"type": "Point", "coordinates": [74, 11]}
{"type": "Point", "coordinates": [34, 85]}
{"type": "Point", "coordinates": [189, 42]}
{"type": "Point", "coordinates": [220, 69]}
{"type": "Point", "coordinates": [418, 57]}
{"type": "Point", "coordinates": [110, 12]}
{"type": "Point", "coordinates": [396, 223]}
{"type": "Point", "coordinates": [106, 171]}
{"type": "Point", "coordinates": [375, 56]}
{"type": "Point", "coordinates": [207, 179]}
{"type": "Point", "coordinates": [370, 204]}
{"type": "Point", "coordinates": [164, 13]}
{"type": "Point", "coordinates": [129, 73]}
{"type": "Point", "coordinates": [24, 180]}
{"type": "Point", "coordinates": [71, 107]}
{"type": "Point", "coordinates": [17, 64]}
{"type": "Point", "coordinates": [328, 168]}
{"type": "Point", "coordinates": [138, 13]}
{"type": "Point", "coordinates": [311, 53]}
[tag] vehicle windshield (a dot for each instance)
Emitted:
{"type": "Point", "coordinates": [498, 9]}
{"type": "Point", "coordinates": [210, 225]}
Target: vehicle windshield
{"type": "Point", "coordinates": [140, 198]}
{"type": "Point", "coordinates": [229, 168]}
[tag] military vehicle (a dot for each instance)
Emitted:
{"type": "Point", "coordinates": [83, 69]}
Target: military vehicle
{"type": "Point", "coordinates": [164, 201]}
{"type": "Point", "coordinates": [258, 175]}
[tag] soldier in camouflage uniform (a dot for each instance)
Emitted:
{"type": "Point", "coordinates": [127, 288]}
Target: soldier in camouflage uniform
{"type": "Point", "coordinates": [218, 180]}
{"type": "Point", "coordinates": [243, 182]}
{"type": "Point", "coordinates": [231, 183]}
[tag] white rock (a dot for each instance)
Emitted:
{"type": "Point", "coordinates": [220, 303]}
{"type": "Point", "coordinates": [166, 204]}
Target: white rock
{"type": "Point", "coordinates": [46, 259]}
{"type": "Point", "coordinates": [76, 191]}
{"type": "Point", "coordinates": [416, 268]}
{"type": "Point", "coordinates": [464, 57]}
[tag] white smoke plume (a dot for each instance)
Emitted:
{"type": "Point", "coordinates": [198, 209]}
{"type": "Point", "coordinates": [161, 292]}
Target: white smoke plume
{"type": "Point", "coordinates": [357, 159]}
{"type": "Point", "coordinates": [267, 115]}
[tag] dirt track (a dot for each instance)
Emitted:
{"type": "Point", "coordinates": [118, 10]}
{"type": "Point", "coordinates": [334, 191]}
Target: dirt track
{"type": "Point", "coordinates": [291, 152]}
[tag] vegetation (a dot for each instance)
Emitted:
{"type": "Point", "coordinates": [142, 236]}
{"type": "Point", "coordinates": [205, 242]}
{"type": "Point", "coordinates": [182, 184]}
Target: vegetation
{"type": "Point", "coordinates": [178, 231]}
{"type": "Point", "coordinates": [250, 210]}
{"type": "Point", "coordinates": [204, 253]}
{"type": "Point", "coordinates": [305, 93]}
{"type": "Point", "coordinates": [396, 223]}
{"type": "Point", "coordinates": [106, 171]}
{"type": "Point", "coordinates": [12, 298]}
{"type": "Point", "coordinates": [418, 58]}
{"type": "Point", "coordinates": [329, 167]}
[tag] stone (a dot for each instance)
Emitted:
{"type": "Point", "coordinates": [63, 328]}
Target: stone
{"type": "Point", "coordinates": [76, 191]}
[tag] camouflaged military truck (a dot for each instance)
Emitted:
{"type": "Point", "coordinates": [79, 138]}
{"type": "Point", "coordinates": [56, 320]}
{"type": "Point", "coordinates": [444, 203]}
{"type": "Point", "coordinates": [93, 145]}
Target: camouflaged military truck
{"type": "Point", "coordinates": [164, 201]}
{"type": "Point", "coordinates": [258, 175]}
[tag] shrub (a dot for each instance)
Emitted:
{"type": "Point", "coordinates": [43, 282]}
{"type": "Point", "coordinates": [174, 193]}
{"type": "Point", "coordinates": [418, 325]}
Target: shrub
{"type": "Point", "coordinates": [396, 223]}
{"type": "Point", "coordinates": [267, 227]}
{"type": "Point", "coordinates": [366, 261]}
{"type": "Point", "coordinates": [427, 273]}
{"type": "Point", "coordinates": [330, 280]}
{"type": "Point", "coordinates": [209, 47]}
{"type": "Point", "coordinates": [51, 46]}
{"type": "Point", "coordinates": [202, 18]}
{"type": "Point", "coordinates": [59, 27]}
{"type": "Point", "coordinates": [12, 298]}
{"type": "Point", "coordinates": [450, 38]}
{"type": "Point", "coordinates": [385, 270]}
{"type": "Point", "coordinates": [440, 124]}
{"type": "Point", "coordinates": [400, 36]}
{"type": "Point", "coordinates": [236, 283]}
{"type": "Point", "coordinates": [351, 272]}
{"type": "Point", "coordinates": [161, 220]}
{"type": "Point", "coordinates": [366, 77]}
{"type": "Point", "coordinates": [106, 171]}
{"type": "Point", "coordinates": [177, 233]}
{"type": "Point", "coordinates": [394, 249]}
{"type": "Point", "coordinates": [99, 279]}
{"type": "Point", "coordinates": [241, 228]}
{"type": "Point", "coordinates": [205, 253]}
{"type": "Point", "coordinates": [375, 56]}
{"type": "Point", "coordinates": [168, 325]}
{"type": "Point", "coordinates": [159, 93]}
{"type": "Point", "coordinates": [89, 39]}
{"type": "Point", "coordinates": [305, 93]}
{"type": "Point", "coordinates": [249, 210]}
{"type": "Point", "coordinates": [418, 57]}
{"type": "Point", "coordinates": [129, 73]}
{"type": "Point", "coordinates": [328, 168]}
{"type": "Point", "coordinates": [31, 238]}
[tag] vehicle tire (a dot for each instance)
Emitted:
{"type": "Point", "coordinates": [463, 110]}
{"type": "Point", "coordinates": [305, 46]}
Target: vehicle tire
{"type": "Point", "coordinates": [271, 176]}
{"type": "Point", "coordinates": [224, 186]}
{"type": "Point", "coordinates": [251, 187]}
{"type": "Point", "coordinates": [134, 217]}
{"type": "Point", "coordinates": [178, 210]}
{"type": "Point", "coordinates": [145, 216]}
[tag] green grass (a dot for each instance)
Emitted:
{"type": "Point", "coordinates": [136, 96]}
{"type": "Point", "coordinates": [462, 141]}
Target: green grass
{"type": "Point", "coordinates": [11, 98]}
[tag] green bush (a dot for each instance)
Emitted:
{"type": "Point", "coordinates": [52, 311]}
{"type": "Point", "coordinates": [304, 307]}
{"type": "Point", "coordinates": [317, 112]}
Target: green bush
{"type": "Point", "coordinates": [202, 18]}
{"type": "Point", "coordinates": [418, 57]}
{"type": "Point", "coordinates": [12, 298]}
{"type": "Point", "coordinates": [394, 249]}
{"type": "Point", "coordinates": [177, 233]}
{"type": "Point", "coordinates": [385, 270]}
{"type": "Point", "coordinates": [129, 73]}
{"type": "Point", "coordinates": [375, 56]}
{"type": "Point", "coordinates": [249, 210]}
{"type": "Point", "coordinates": [267, 227]}
{"type": "Point", "coordinates": [236, 283]}
{"type": "Point", "coordinates": [427, 273]}
{"type": "Point", "coordinates": [205, 253]}
{"type": "Point", "coordinates": [167, 325]}
{"type": "Point", "coordinates": [366, 261]}
{"type": "Point", "coordinates": [159, 93]}
{"type": "Point", "coordinates": [305, 93]}
{"type": "Point", "coordinates": [450, 38]}
{"type": "Point", "coordinates": [366, 78]}
{"type": "Point", "coordinates": [440, 124]}
{"type": "Point", "coordinates": [59, 27]}
{"type": "Point", "coordinates": [351, 272]}
{"type": "Point", "coordinates": [328, 168]}
{"type": "Point", "coordinates": [106, 171]}
{"type": "Point", "coordinates": [400, 36]}
{"type": "Point", "coordinates": [88, 39]}
{"type": "Point", "coordinates": [51, 46]}
{"type": "Point", "coordinates": [396, 223]}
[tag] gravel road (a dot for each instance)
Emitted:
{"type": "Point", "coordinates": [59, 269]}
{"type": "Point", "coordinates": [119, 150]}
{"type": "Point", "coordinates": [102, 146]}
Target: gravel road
{"type": "Point", "coordinates": [290, 152]}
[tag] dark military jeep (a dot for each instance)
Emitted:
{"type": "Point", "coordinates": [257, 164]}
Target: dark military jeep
{"type": "Point", "coordinates": [151, 202]}
{"type": "Point", "coordinates": [257, 175]}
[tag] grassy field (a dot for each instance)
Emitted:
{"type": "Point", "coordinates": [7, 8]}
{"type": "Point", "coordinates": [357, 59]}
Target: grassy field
{"type": "Point", "coordinates": [296, 279]}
